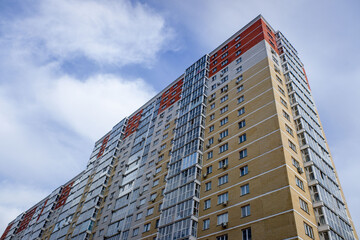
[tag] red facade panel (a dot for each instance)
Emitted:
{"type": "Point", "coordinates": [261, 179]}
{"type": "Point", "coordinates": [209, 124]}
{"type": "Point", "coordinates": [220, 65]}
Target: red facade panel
{"type": "Point", "coordinates": [42, 209]}
{"type": "Point", "coordinates": [133, 124]}
{"type": "Point", "coordinates": [63, 195]}
{"type": "Point", "coordinates": [307, 81]}
{"type": "Point", "coordinates": [171, 96]}
{"type": "Point", "coordinates": [103, 146]}
{"type": "Point", "coordinates": [270, 36]}
{"type": "Point", "coordinates": [26, 219]}
{"type": "Point", "coordinates": [3, 236]}
{"type": "Point", "coordinates": [247, 39]}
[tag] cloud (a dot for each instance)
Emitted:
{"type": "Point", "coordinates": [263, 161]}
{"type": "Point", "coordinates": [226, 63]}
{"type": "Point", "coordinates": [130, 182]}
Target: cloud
{"type": "Point", "coordinates": [49, 119]}
{"type": "Point", "coordinates": [108, 32]}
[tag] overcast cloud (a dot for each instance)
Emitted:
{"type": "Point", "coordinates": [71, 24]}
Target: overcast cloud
{"type": "Point", "coordinates": [70, 70]}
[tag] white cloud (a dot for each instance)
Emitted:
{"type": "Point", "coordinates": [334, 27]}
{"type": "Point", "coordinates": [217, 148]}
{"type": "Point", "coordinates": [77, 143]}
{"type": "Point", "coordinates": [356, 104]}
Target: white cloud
{"type": "Point", "coordinates": [116, 32]}
{"type": "Point", "coordinates": [100, 101]}
{"type": "Point", "coordinates": [49, 119]}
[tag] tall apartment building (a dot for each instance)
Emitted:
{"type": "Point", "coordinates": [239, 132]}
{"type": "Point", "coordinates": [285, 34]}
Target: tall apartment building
{"type": "Point", "coordinates": [232, 149]}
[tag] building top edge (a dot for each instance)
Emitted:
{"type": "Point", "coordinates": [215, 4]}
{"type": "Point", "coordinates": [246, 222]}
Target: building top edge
{"type": "Point", "coordinates": [240, 31]}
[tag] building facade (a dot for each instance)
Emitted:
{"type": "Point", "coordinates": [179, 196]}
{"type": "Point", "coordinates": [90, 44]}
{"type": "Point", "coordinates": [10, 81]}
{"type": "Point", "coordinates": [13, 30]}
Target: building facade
{"type": "Point", "coordinates": [232, 149]}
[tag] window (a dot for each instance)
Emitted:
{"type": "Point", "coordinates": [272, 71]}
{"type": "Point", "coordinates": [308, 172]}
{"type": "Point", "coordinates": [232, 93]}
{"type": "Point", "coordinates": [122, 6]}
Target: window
{"type": "Point", "coordinates": [281, 90]}
{"type": "Point", "coordinates": [208, 186]}
{"type": "Point", "coordinates": [244, 189]}
{"type": "Point", "coordinates": [153, 153]}
{"type": "Point", "coordinates": [241, 99]}
{"type": "Point", "coordinates": [156, 142]}
{"type": "Point", "coordinates": [211, 140]}
{"type": "Point", "coordinates": [158, 170]}
{"type": "Point", "coordinates": [246, 234]}
{"type": "Point", "coordinates": [283, 102]}
{"type": "Point", "coordinates": [224, 63]}
{"type": "Point", "coordinates": [239, 69]}
{"type": "Point", "coordinates": [223, 163]}
{"type": "Point", "coordinates": [138, 216]}
{"type": "Point", "coordinates": [167, 126]}
{"type": "Point", "coordinates": [147, 227]}
{"type": "Point", "coordinates": [223, 198]}
{"type": "Point", "coordinates": [150, 211]}
{"type": "Point", "coordinates": [279, 79]}
{"type": "Point", "coordinates": [162, 147]}
{"type": "Point", "coordinates": [223, 179]}
{"type": "Point", "coordinates": [224, 70]}
{"type": "Point", "coordinates": [238, 60]}
{"type": "Point", "coordinates": [212, 106]}
{"type": "Point", "coordinates": [286, 115]}
{"type": "Point", "coordinates": [223, 148]}
{"type": "Point", "coordinates": [244, 170]}
{"type": "Point", "coordinates": [209, 169]}
{"type": "Point", "coordinates": [135, 232]}
{"type": "Point", "coordinates": [160, 123]}
{"type": "Point", "coordinates": [161, 158]}
{"type": "Point", "coordinates": [240, 88]}
{"type": "Point", "coordinates": [224, 134]}
{"type": "Point", "coordinates": [165, 136]}
{"type": "Point", "coordinates": [238, 53]}
{"type": "Point", "coordinates": [213, 86]}
{"type": "Point", "coordinates": [222, 218]}
{"type": "Point", "coordinates": [224, 89]}
{"type": "Point", "coordinates": [222, 237]}
{"type": "Point", "coordinates": [308, 230]}
{"type": "Point", "coordinates": [214, 77]}
{"type": "Point", "coordinates": [304, 205]}
{"type": "Point", "coordinates": [101, 232]}
{"type": "Point", "coordinates": [245, 211]}
{"type": "Point", "coordinates": [211, 128]}
{"type": "Point", "coordinates": [157, 133]}
{"type": "Point", "coordinates": [299, 183]}
{"type": "Point", "coordinates": [206, 224]}
{"type": "Point", "coordinates": [224, 109]}
{"type": "Point", "coordinates": [224, 98]}
{"type": "Point", "coordinates": [295, 162]}
{"type": "Point", "coordinates": [237, 38]}
{"type": "Point", "coordinates": [212, 116]}
{"type": "Point", "coordinates": [241, 111]}
{"type": "Point", "coordinates": [225, 55]}
{"type": "Point", "coordinates": [292, 146]}
{"type": "Point", "coordinates": [224, 79]}
{"type": "Point", "coordinates": [153, 196]}
{"type": "Point", "coordinates": [145, 187]}
{"type": "Point", "coordinates": [142, 201]}
{"type": "Point", "coordinates": [242, 138]}
{"type": "Point", "coordinates": [243, 153]}
{"type": "Point", "coordinates": [210, 155]}
{"type": "Point", "coordinates": [207, 204]}
{"type": "Point", "coordinates": [156, 182]}
{"type": "Point", "coordinates": [289, 130]}
{"type": "Point", "coordinates": [242, 124]}
{"type": "Point", "coordinates": [224, 121]}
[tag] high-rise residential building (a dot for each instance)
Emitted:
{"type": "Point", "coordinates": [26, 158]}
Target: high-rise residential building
{"type": "Point", "coordinates": [232, 149]}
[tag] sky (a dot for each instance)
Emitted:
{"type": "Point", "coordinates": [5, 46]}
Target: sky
{"type": "Point", "coordinates": [70, 70]}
